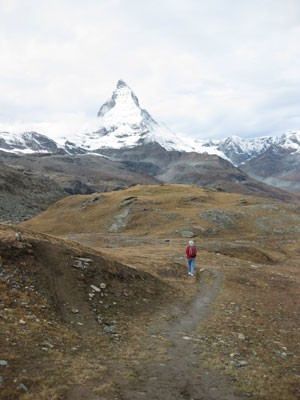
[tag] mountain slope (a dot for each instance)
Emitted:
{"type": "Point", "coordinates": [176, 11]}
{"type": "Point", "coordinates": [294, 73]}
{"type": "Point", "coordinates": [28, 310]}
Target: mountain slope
{"type": "Point", "coordinates": [194, 169]}
{"type": "Point", "coordinates": [129, 135]}
{"type": "Point", "coordinates": [276, 167]}
{"type": "Point", "coordinates": [24, 195]}
{"type": "Point", "coordinates": [123, 123]}
{"type": "Point", "coordinates": [79, 174]}
{"type": "Point", "coordinates": [28, 142]}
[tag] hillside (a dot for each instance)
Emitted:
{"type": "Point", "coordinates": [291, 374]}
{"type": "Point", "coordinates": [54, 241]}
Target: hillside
{"type": "Point", "coordinates": [276, 167]}
{"type": "Point", "coordinates": [194, 169]}
{"type": "Point", "coordinates": [167, 211]}
{"type": "Point", "coordinates": [152, 331]}
{"type": "Point", "coordinates": [81, 174]}
{"type": "Point", "coordinates": [24, 195]}
{"type": "Point", "coordinates": [124, 145]}
{"type": "Point", "coordinates": [59, 301]}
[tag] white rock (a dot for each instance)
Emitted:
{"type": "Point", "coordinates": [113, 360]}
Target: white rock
{"type": "Point", "coordinates": [85, 260]}
{"type": "Point", "coordinates": [95, 288]}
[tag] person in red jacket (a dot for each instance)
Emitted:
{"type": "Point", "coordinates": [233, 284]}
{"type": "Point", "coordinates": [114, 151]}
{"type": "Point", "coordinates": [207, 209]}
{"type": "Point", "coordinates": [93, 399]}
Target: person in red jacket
{"type": "Point", "coordinates": [191, 253]}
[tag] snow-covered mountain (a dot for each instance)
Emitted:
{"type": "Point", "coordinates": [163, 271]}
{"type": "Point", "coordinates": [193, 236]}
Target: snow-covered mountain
{"type": "Point", "coordinates": [27, 142]}
{"type": "Point", "coordinates": [122, 123]}
{"type": "Point", "coordinates": [239, 150]}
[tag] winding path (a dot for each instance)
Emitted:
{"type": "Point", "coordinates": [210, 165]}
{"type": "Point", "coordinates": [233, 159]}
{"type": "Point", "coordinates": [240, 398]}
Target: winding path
{"type": "Point", "coordinates": [181, 377]}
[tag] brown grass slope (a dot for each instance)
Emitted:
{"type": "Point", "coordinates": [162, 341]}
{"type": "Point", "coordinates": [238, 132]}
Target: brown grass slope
{"type": "Point", "coordinates": [166, 211]}
{"type": "Point", "coordinates": [51, 319]}
{"type": "Point", "coordinates": [253, 242]}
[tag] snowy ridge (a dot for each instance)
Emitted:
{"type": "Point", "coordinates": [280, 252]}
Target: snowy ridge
{"type": "Point", "coordinates": [26, 143]}
{"type": "Point", "coordinates": [122, 123]}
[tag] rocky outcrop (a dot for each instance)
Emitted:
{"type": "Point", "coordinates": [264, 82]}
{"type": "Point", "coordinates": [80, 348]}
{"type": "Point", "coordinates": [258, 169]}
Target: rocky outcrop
{"type": "Point", "coordinates": [23, 195]}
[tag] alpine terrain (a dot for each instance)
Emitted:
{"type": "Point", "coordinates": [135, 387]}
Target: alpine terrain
{"type": "Point", "coordinates": [130, 147]}
{"type": "Point", "coordinates": [95, 298]}
{"type": "Point", "coordinates": [96, 302]}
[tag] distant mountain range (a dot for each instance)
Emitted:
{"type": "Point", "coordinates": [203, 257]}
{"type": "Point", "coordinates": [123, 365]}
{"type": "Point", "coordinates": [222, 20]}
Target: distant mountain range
{"type": "Point", "coordinates": [125, 129]}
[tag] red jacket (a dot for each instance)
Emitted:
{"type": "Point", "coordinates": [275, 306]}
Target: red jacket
{"type": "Point", "coordinates": [191, 252]}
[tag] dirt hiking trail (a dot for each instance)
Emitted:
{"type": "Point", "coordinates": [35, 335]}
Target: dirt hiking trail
{"type": "Point", "coordinates": [179, 375]}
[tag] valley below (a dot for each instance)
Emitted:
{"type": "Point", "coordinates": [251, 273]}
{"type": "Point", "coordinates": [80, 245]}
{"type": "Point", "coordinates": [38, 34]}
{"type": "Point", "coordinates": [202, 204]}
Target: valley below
{"type": "Point", "coordinates": [96, 302]}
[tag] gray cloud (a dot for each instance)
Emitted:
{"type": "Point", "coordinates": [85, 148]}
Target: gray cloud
{"type": "Point", "coordinates": [206, 69]}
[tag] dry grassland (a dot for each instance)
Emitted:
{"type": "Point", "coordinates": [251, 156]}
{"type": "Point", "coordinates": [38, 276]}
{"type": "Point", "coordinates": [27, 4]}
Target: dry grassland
{"type": "Point", "coordinates": [254, 320]}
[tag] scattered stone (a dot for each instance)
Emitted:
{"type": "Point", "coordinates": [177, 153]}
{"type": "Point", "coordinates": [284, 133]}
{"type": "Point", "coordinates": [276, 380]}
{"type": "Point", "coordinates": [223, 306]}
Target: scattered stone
{"type": "Point", "coordinates": [243, 201]}
{"type": "Point", "coordinates": [121, 221]}
{"type": "Point", "coordinates": [19, 237]}
{"type": "Point", "coordinates": [241, 336]}
{"type": "Point", "coordinates": [85, 260]}
{"type": "Point", "coordinates": [188, 219]}
{"type": "Point", "coordinates": [242, 364]}
{"type": "Point", "coordinates": [75, 311]}
{"type": "Point", "coordinates": [50, 345]}
{"type": "Point", "coordinates": [3, 363]}
{"type": "Point", "coordinates": [102, 285]}
{"type": "Point", "coordinates": [45, 349]}
{"type": "Point", "coordinates": [95, 288]}
{"type": "Point", "coordinates": [206, 231]}
{"type": "Point", "coordinates": [23, 387]}
{"type": "Point", "coordinates": [22, 322]}
{"type": "Point", "coordinates": [281, 355]}
{"type": "Point", "coordinates": [127, 201]}
{"type": "Point", "coordinates": [1, 379]}
{"type": "Point", "coordinates": [224, 219]}
{"type": "Point", "coordinates": [110, 329]}
{"type": "Point", "coordinates": [79, 265]}
{"type": "Point", "coordinates": [172, 216]}
{"type": "Point", "coordinates": [232, 355]}
{"type": "Point", "coordinates": [187, 234]}
{"type": "Point", "coordinates": [186, 338]}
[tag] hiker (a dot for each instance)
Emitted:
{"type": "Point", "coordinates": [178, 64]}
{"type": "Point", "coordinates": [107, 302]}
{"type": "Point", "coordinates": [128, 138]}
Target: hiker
{"type": "Point", "coordinates": [191, 253]}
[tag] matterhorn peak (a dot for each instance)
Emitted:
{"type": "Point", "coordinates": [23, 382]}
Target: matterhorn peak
{"type": "Point", "coordinates": [123, 99]}
{"type": "Point", "coordinates": [123, 123]}
{"type": "Point", "coordinates": [121, 84]}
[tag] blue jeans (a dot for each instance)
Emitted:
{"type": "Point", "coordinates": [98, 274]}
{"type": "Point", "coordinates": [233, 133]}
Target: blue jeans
{"type": "Point", "coordinates": [191, 264]}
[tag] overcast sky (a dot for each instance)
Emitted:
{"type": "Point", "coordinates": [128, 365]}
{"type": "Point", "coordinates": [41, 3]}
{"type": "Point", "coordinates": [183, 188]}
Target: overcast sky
{"type": "Point", "coordinates": [206, 68]}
